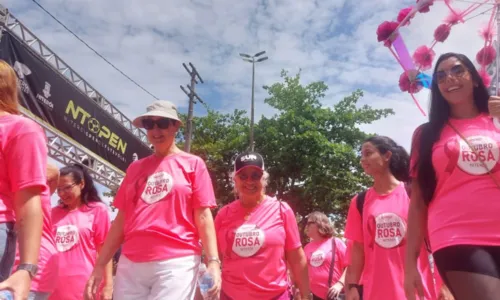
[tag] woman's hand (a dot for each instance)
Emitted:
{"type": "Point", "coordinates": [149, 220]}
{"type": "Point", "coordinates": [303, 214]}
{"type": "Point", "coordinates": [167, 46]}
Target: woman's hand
{"type": "Point", "coordinates": [494, 106]}
{"type": "Point", "coordinates": [334, 290]}
{"type": "Point", "coordinates": [352, 294]}
{"type": "Point", "coordinates": [413, 283]}
{"type": "Point", "coordinates": [19, 283]}
{"type": "Point", "coordinates": [94, 282]}
{"type": "Point", "coordinates": [214, 270]}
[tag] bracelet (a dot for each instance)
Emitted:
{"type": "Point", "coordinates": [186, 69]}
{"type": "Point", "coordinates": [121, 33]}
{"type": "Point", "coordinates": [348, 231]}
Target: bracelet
{"type": "Point", "coordinates": [341, 283]}
{"type": "Point", "coordinates": [214, 258]}
{"type": "Point", "coordinates": [353, 285]}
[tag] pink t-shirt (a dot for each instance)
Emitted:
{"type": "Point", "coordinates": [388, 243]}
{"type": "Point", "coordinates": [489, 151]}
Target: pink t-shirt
{"type": "Point", "coordinates": [383, 234]}
{"type": "Point", "coordinates": [23, 160]}
{"type": "Point", "coordinates": [48, 260]}
{"type": "Point", "coordinates": [158, 197]}
{"type": "Point", "coordinates": [79, 234]}
{"type": "Point", "coordinates": [462, 210]}
{"type": "Point", "coordinates": [253, 250]}
{"type": "Point", "coordinates": [319, 258]}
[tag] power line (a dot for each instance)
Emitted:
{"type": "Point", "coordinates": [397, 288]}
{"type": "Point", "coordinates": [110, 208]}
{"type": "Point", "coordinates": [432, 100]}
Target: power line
{"type": "Point", "coordinates": [479, 14]}
{"type": "Point", "coordinates": [95, 51]}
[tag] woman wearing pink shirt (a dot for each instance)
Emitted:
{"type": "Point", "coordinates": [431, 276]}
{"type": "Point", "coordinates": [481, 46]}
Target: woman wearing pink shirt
{"type": "Point", "coordinates": [325, 258]}
{"type": "Point", "coordinates": [23, 162]}
{"type": "Point", "coordinates": [45, 280]}
{"type": "Point", "coordinates": [456, 184]}
{"type": "Point", "coordinates": [81, 222]}
{"type": "Point", "coordinates": [258, 236]}
{"type": "Point", "coordinates": [377, 226]}
{"type": "Point", "coordinates": [164, 207]}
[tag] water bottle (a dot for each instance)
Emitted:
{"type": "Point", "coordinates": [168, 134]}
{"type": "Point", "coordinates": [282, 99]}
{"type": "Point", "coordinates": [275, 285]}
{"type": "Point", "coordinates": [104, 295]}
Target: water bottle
{"type": "Point", "coordinates": [205, 280]}
{"type": "Point", "coordinates": [6, 295]}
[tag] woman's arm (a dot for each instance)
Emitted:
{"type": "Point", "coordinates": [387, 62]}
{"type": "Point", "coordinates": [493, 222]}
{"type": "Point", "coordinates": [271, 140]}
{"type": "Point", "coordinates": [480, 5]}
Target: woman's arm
{"type": "Point", "coordinates": [417, 225]}
{"type": "Point", "coordinates": [342, 278]}
{"type": "Point", "coordinates": [112, 242]}
{"type": "Point", "coordinates": [206, 229]}
{"type": "Point", "coordinates": [29, 216]}
{"type": "Point", "coordinates": [297, 261]}
{"type": "Point", "coordinates": [357, 263]}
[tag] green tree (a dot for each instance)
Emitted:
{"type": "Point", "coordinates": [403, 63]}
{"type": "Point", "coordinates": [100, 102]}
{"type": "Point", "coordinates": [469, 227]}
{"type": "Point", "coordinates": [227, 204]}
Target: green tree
{"type": "Point", "coordinates": [311, 150]}
{"type": "Point", "coordinates": [218, 138]}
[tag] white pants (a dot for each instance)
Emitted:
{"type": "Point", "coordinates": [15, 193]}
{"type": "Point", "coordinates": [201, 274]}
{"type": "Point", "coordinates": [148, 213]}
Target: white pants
{"type": "Point", "coordinates": [174, 279]}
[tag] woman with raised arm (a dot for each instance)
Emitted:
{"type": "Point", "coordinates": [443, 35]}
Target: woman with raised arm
{"type": "Point", "coordinates": [376, 224]}
{"type": "Point", "coordinates": [258, 235]}
{"type": "Point", "coordinates": [164, 207]}
{"type": "Point", "coordinates": [456, 184]}
{"type": "Point", "coordinates": [23, 163]}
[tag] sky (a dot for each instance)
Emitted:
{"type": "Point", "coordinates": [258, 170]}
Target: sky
{"type": "Point", "coordinates": [333, 41]}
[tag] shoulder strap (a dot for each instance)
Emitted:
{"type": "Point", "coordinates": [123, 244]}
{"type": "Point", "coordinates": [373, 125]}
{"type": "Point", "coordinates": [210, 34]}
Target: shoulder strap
{"type": "Point", "coordinates": [360, 202]}
{"type": "Point", "coordinates": [332, 263]}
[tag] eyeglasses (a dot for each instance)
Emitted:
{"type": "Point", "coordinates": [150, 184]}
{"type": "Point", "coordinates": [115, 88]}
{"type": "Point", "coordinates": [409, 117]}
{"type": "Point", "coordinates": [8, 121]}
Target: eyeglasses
{"type": "Point", "coordinates": [253, 177]}
{"type": "Point", "coordinates": [162, 123]}
{"type": "Point", "coordinates": [309, 223]}
{"type": "Point", "coordinates": [66, 188]}
{"type": "Point", "coordinates": [456, 71]}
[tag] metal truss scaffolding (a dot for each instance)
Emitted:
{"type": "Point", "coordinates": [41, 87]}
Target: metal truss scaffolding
{"type": "Point", "coordinates": [62, 148]}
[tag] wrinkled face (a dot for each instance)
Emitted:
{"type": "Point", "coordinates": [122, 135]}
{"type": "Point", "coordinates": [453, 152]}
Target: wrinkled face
{"type": "Point", "coordinates": [160, 131]}
{"type": "Point", "coordinates": [454, 81]}
{"type": "Point", "coordinates": [248, 181]}
{"type": "Point", "coordinates": [311, 229]}
{"type": "Point", "coordinates": [68, 190]}
{"type": "Point", "coordinates": [372, 161]}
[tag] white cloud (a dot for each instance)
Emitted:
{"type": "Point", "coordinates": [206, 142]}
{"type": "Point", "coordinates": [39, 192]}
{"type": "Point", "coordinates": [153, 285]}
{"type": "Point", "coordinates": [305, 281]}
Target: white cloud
{"type": "Point", "coordinates": [332, 40]}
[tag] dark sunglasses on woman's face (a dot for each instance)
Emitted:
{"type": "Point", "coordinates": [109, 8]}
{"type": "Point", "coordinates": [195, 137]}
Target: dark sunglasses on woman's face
{"type": "Point", "coordinates": [253, 176]}
{"type": "Point", "coordinates": [455, 71]}
{"type": "Point", "coordinates": [162, 123]}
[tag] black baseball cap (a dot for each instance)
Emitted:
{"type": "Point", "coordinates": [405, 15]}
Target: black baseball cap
{"type": "Point", "coordinates": [248, 159]}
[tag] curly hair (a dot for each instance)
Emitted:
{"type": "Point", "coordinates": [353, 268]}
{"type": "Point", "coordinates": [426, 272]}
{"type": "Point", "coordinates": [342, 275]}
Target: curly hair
{"type": "Point", "coordinates": [325, 227]}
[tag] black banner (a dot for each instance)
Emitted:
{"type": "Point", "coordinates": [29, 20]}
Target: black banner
{"type": "Point", "coordinates": [51, 97]}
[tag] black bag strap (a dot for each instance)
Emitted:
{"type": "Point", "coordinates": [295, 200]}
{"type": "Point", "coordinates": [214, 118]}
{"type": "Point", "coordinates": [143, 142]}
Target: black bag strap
{"type": "Point", "coordinates": [332, 263]}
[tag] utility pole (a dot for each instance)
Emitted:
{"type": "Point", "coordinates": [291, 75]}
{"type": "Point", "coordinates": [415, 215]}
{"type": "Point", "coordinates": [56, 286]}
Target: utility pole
{"type": "Point", "coordinates": [192, 100]}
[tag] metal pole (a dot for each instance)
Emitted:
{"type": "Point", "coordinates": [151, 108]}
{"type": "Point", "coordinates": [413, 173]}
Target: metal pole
{"type": "Point", "coordinates": [252, 107]}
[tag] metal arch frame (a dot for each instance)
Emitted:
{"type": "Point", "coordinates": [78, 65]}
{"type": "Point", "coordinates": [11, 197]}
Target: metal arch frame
{"type": "Point", "coordinates": [32, 41]}
{"type": "Point", "coordinates": [61, 147]}
{"type": "Point", "coordinates": [65, 151]}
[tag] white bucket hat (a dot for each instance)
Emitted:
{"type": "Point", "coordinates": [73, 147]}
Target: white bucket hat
{"type": "Point", "coordinates": [160, 108]}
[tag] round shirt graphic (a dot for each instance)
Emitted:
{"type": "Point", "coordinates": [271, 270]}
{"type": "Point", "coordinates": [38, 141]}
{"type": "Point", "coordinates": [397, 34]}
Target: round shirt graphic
{"type": "Point", "coordinates": [485, 154]}
{"type": "Point", "coordinates": [390, 230]}
{"type": "Point", "coordinates": [66, 237]}
{"type": "Point", "coordinates": [157, 187]}
{"type": "Point", "coordinates": [248, 240]}
{"type": "Point", "coordinates": [317, 258]}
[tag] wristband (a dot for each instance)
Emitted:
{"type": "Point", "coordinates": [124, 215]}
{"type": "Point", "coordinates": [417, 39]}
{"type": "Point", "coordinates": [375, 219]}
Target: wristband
{"type": "Point", "coordinates": [353, 285]}
{"type": "Point", "coordinates": [213, 258]}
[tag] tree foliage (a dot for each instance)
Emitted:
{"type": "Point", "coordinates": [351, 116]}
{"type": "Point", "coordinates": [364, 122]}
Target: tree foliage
{"type": "Point", "coordinates": [311, 150]}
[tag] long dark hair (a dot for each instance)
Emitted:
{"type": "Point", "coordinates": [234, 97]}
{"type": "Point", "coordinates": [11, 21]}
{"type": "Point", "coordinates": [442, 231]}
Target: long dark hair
{"type": "Point", "coordinates": [79, 175]}
{"type": "Point", "coordinates": [399, 164]}
{"type": "Point", "coordinates": [429, 133]}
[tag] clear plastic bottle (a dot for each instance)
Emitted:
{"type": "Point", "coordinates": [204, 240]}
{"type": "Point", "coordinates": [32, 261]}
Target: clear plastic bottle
{"type": "Point", "coordinates": [6, 295]}
{"type": "Point", "coordinates": [205, 280]}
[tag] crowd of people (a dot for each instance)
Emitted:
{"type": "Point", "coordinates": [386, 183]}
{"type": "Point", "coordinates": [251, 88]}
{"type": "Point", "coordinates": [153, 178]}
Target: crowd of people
{"type": "Point", "coordinates": [427, 228]}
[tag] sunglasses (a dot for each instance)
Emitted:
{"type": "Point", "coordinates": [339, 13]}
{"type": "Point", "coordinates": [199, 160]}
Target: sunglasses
{"type": "Point", "coordinates": [253, 177]}
{"type": "Point", "coordinates": [456, 71]}
{"type": "Point", "coordinates": [66, 188]}
{"type": "Point", "coordinates": [162, 123]}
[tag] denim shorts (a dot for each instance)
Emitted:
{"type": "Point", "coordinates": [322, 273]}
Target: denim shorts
{"type": "Point", "coordinates": [7, 249]}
